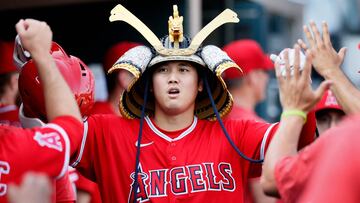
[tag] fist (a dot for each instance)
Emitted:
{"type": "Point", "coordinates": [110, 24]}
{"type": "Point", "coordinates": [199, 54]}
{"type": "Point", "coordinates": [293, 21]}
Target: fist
{"type": "Point", "coordinates": [35, 36]}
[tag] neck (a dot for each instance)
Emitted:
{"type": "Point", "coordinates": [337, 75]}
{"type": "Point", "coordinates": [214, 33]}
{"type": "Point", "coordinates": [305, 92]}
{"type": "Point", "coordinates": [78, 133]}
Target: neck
{"type": "Point", "coordinates": [173, 122]}
{"type": "Point", "coordinates": [8, 99]}
{"type": "Point", "coordinates": [114, 99]}
{"type": "Point", "coordinates": [244, 98]}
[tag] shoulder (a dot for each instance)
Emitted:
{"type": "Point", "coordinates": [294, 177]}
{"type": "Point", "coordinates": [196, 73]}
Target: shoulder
{"type": "Point", "coordinates": [102, 107]}
{"type": "Point", "coordinates": [110, 119]}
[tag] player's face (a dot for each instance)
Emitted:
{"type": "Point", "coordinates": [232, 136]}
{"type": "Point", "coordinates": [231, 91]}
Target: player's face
{"type": "Point", "coordinates": [327, 119]}
{"type": "Point", "coordinates": [175, 87]}
{"type": "Point", "coordinates": [262, 79]}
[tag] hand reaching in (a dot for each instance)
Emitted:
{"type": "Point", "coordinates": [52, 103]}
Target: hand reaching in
{"type": "Point", "coordinates": [295, 89]}
{"type": "Point", "coordinates": [325, 58]}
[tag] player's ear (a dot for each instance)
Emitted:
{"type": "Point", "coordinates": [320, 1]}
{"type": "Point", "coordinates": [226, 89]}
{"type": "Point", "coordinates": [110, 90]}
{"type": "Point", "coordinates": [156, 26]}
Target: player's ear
{"type": "Point", "coordinates": [201, 85]}
{"type": "Point", "coordinates": [251, 78]}
{"type": "Point", "coordinates": [14, 81]}
{"type": "Point", "coordinates": [124, 78]}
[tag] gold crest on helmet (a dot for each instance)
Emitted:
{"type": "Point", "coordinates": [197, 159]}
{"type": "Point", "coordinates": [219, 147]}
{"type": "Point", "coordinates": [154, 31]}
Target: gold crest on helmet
{"type": "Point", "coordinates": [176, 28]}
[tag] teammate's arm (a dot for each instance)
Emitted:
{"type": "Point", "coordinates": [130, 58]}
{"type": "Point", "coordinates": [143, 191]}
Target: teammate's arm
{"type": "Point", "coordinates": [36, 37]}
{"type": "Point", "coordinates": [327, 63]}
{"type": "Point", "coordinates": [295, 94]}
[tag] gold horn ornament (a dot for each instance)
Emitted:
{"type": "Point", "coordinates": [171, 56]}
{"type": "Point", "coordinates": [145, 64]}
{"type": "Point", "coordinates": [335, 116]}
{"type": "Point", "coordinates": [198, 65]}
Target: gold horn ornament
{"type": "Point", "coordinates": [120, 13]}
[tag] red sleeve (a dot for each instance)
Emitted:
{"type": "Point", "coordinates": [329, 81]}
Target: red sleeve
{"type": "Point", "coordinates": [263, 139]}
{"type": "Point", "coordinates": [74, 129]}
{"type": "Point", "coordinates": [85, 185]}
{"type": "Point", "coordinates": [251, 137]}
{"type": "Point", "coordinates": [44, 149]}
{"type": "Point", "coordinates": [307, 135]}
{"type": "Point", "coordinates": [83, 161]}
{"type": "Point", "coordinates": [65, 192]}
{"type": "Point", "coordinates": [292, 173]}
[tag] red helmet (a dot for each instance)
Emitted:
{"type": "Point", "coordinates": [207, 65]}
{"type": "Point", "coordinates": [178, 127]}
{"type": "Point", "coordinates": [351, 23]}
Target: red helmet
{"type": "Point", "coordinates": [77, 75]}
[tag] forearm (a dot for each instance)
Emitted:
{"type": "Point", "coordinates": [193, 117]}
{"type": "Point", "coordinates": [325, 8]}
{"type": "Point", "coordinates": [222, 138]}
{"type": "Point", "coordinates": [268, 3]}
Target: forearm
{"type": "Point", "coordinates": [346, 93]}
{"type": "Point", "coordinates": [55, 89]}
{"type": "Point", "coordinates": [36, 37]}
{"type": "Point", "coordinates": [284, 143]}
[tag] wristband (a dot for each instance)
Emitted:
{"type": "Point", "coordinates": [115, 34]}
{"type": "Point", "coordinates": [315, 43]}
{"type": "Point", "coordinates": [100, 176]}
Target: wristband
{"type": "Point", "coordinates": [294, 112]}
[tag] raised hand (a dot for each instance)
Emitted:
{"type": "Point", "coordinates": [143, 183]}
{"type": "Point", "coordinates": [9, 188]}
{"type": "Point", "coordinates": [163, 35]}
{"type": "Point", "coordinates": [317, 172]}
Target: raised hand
{"type": "Point", "coordinates": [325, 58]}
{"type": "Point", "coordinates": [295, 89]}
{"type": "Point", "coordinates": [35, 36]}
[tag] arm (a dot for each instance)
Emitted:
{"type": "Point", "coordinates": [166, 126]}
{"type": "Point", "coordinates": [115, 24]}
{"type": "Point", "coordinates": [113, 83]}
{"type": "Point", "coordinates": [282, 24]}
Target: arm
{"type": "Point", "coordinates": [295, 94]}
{"type": "Point", "coordinates": [36, 38]}
{"type": "Point", "coordinates": [327, 63]}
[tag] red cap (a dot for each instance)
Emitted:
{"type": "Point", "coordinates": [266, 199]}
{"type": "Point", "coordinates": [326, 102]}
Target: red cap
{"type": "Point", "coordinates": [247, 54]}
{"type": "Point", "coordinates": [6, 57]}
{"type": "Point", "coordinates": [328, 101]}
{"type": "Point", "coordinates": [115, 52]}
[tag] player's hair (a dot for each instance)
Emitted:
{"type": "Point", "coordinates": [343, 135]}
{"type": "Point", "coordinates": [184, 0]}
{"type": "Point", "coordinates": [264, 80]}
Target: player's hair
{"type": "Point", "coordinates": [4, 81]}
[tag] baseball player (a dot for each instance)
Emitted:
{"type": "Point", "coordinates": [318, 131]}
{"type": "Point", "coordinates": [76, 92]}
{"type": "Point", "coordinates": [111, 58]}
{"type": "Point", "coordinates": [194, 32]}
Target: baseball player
{"type": "Point", "coordinates": [116, 82]}
{"type": "Point", "coordinates": [248, 88]}
{"type": "Point", "coordinates": [34, 149]}
{"type": "Point", "coordinates": [297, 176]}
{"type": "Point", "coordinates": [168, 147]}
{"type": "Point", "coordinates": [9, 94]}
{"type": "Point", "coordinates": [32, 111]}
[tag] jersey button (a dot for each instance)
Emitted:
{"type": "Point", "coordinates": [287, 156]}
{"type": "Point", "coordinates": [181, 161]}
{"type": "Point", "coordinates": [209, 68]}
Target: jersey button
{"type": "Point", "coordinates": [173, 144]}
{"type": "Point", "coordinates": [173, 158]}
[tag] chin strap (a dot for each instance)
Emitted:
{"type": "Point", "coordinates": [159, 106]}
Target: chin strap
{"type": "Point", "coordinates": [223, 127]}
{"type": "Point", "coordinates": [137, 161]}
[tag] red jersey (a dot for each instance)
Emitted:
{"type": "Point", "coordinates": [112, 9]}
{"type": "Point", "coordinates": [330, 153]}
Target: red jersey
{"type": "Point", "coordinates": [197, 166]}
{"type": "Point", "coordinates": [45, 150]}
{"type": "Point", "coordinates": [102, 107]}
{"type": "Point", "coordinates": [88, 186]}
{"type": "Point", "coordinates": [326, 171]}
{"type": "Point", "coordinates": [9, 115]}
{"type": "Point", "coordinates": [238, 112]}
{"type": "Point", "coordinates": [64, 191]}
{"type": "Point", "coordinates": [84, 184]}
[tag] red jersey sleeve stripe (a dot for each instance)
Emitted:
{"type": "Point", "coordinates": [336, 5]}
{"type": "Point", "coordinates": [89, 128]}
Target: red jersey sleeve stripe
{"type": "Point", "coordinates": [83, 142]}
{"type": "Point", "coordinates": [264, 140]}
{"type": "Point", "coordinates": [67, 146]}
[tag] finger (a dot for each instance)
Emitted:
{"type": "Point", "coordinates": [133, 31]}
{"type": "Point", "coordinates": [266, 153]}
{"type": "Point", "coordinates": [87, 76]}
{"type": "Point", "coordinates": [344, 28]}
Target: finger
{"type": "Point", "coordinates": [317, 34]}
{"type": "Point", "coordinates": [319, 92]}
{"type": "Point", "coordinates": [342, 53]}
{"type": "Point", "coordinates": [31, 25]}
{"type": "Point", "coordinates": [287, 65]}
{"type": "Point", "coordinates": [297, 62]}
{"type": "Point", "coordinates": [302, 44]}
{"type": "Point", "coordinates": [309, 36]}
{"type": "Point", "coordinates": [20, 28]}
{"type": "Point", "coordinates": [326, 34]}
{"type": "Point", "coordinates": [307, 67]}
{"type": "Point", "coordinates": [278, 74]}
